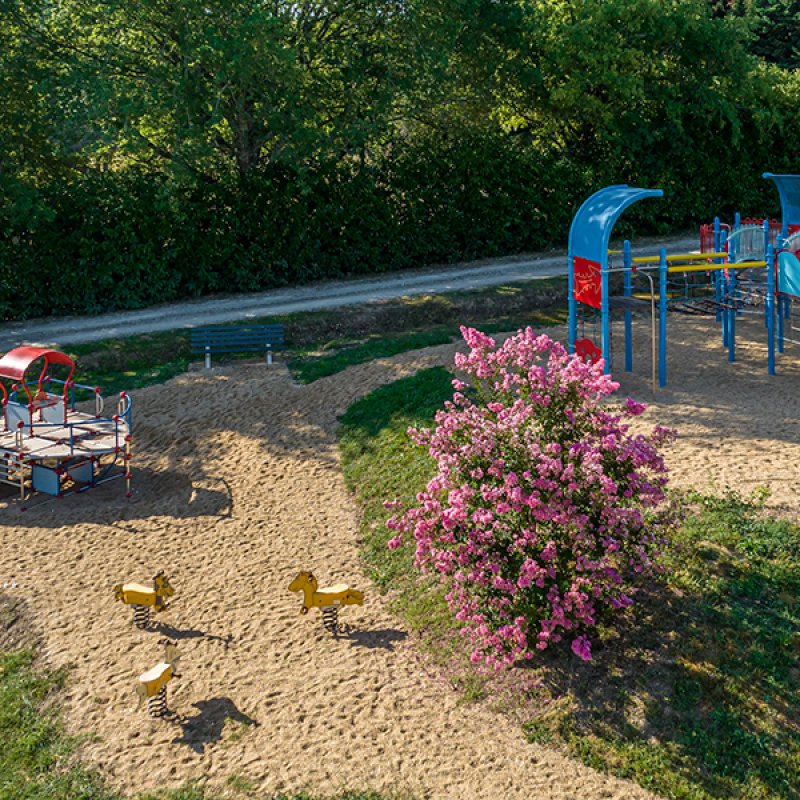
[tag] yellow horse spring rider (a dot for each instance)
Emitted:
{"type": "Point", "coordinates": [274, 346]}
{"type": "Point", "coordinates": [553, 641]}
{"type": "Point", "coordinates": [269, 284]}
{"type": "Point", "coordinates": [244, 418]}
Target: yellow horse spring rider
{"type": "Point", "coordinates": [143, 598]}
{"type": "Point", "coordinates": [327, 600]}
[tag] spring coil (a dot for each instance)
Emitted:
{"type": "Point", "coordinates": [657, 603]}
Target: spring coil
{"type": "Point", "coordinates": [157, 704]}
{"type": "Point", "coordinates": [330, 619]}
{"type": "Point", "coordinates": [141, 616]}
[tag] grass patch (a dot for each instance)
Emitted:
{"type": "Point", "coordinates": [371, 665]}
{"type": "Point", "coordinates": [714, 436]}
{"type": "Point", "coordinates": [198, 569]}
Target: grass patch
{"type": "Point", "coordinates": [321, 343]}
{"type": "Point", "coordinates": [131, 363]}
{"type": "Point", "coordinates": [694, 694]}
{"type": "Point", "coordinates": [35, 755]}
{"type": "Point", "coordinates": [309, 366]}
{"type": "Point", "coordinates": [379, 464]}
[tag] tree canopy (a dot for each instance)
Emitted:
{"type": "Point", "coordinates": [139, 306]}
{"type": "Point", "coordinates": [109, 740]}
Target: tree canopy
{"type": "Point", "coordinates": [175, 149]}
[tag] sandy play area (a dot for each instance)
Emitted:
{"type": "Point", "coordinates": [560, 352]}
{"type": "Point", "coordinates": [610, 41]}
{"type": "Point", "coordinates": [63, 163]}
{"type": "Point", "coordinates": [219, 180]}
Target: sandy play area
{"type": "Point", "coordinates": [237, 487]}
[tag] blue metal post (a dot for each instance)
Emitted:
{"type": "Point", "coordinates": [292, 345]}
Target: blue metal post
{"type": "Point", "coordinates": [627, 263]}
{"type": "Point", "coordinates": [723, 291]}
{"type": "Point", "coordinates": [770, 306]}
{"type": "Point", "coordinates": [717, 283]}
{"type": "Point", "coordinates": [572, 306]}
{"type": "Point", "coordinates": [605, 317]}
{"type": "Point", "coordinates": [767, 250]}
{"type": "Point", "coordinates": [731, 312]}
{"type": "Point", "coordinates": [662, 317]}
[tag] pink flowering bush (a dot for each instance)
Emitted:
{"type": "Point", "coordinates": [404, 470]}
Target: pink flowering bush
{"type": "Point", "coordinates": [543, 512]}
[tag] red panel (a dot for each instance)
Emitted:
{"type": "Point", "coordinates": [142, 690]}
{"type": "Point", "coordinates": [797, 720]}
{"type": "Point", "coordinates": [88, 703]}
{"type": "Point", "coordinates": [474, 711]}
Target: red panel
{"type": "Point", "coordinates": [707, 238]}
{"type": "Point", "coordinates": [14, 363]}
{"type": "Point", "coordinates": [587, 285]}
{"type": "Point", "coordinates": [588, 350]}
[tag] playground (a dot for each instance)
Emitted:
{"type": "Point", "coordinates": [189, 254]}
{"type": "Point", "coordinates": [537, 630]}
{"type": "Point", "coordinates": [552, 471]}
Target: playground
{"type": "Point", "coordinates": [232, 497]}
{"type": "Point", "coordinates": [47, 445]}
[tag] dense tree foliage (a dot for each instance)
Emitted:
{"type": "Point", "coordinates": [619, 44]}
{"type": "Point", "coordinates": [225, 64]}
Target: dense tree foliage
{"type": "Point", "coordinates": [152, 150]}
{"type": "Point", "coordinates": [775, 25]}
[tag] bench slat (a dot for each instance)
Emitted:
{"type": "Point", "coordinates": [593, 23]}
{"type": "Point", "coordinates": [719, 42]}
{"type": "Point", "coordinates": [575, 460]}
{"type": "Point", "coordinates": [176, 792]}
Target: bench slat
{"type": "Point", "coordinates": [237, 340]}
{"type": "Point", "coordinates": [232, 339]}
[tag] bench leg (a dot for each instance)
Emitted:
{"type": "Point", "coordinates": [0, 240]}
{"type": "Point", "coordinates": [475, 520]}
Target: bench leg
{"type": "Point", "coordinates": [269, 354]}
{"type": "Point", "coordinates": [208, 357]}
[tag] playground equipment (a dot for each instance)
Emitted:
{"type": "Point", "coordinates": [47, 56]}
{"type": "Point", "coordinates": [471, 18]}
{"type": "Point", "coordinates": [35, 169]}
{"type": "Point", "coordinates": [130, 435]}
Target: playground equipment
{"type": "Point", "coordinates": [46, 444]}
{"type": "Point", "coordinates": [152, 685]}
{"type": "Point", "coordinates": [143, 598]}
{"type": "Point", "coordinates": [694, 283]}
{"type": "Point", "coordinates": [327, 600]}
{"type": "Point", "coordinates": [749, 237]}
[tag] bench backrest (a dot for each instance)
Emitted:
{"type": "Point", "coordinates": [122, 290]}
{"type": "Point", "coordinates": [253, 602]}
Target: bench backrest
{"type": "Point", "coordinates": [238, 338]}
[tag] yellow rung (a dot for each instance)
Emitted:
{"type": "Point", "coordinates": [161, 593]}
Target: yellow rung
{"type": "Point", "coordinates": [677, 257]}
{"type": "Point", "coordinates": [715, 267]}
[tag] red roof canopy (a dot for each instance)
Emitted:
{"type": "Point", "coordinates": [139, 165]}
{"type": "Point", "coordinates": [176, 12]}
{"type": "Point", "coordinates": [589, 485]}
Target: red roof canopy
{"type": "Point", "coordinates": [14, 363]}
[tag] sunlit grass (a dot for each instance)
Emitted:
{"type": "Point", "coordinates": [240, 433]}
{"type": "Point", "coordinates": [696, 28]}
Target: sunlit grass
{"type": "Point", "coordinates": [695, 695]}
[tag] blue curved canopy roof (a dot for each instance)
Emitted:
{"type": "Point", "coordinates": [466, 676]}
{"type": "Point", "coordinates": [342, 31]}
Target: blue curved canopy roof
{"type": "Point", "coordinates": [789, 191]}
{"type": "Point", "coordinates": [591, 227]}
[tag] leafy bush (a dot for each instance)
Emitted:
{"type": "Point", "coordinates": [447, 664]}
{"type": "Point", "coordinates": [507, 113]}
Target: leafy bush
{"type": "Point", "coordinates": [543, 512]}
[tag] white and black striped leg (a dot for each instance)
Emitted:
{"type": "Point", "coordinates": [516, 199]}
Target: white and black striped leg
{"type": "Point", "coordinates": [141, 616]}
{"type": "Point", "coordinates": [330, 619]}
{"type": "Point", "coordinates": [157, 704]}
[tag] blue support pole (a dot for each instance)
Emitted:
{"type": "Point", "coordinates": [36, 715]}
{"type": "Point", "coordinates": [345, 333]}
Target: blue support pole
{"type": "Point", "coordinates": [731, 312]}
{"type": "Point", "coordinates": [723, 293]}
{"type": "Point", "coordinates": [767, 251]}
{"type": "Point", "coordinates": [662, 317]}
{"type": "Point", "coordinates": [605, 317]}
{"type": "Point", "coordinates": [770, 306]}
{"type": "Point", "coordinates": [572, 306]}
{"type": "Point", "coordinates": [627, 263]}
{"type": "Point", "coordinates": [717, 285]}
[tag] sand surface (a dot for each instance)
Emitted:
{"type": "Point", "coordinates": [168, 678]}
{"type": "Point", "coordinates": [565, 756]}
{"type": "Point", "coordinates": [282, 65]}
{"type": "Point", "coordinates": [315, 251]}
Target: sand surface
{"type": "Point", "coordinates": [238, 487]}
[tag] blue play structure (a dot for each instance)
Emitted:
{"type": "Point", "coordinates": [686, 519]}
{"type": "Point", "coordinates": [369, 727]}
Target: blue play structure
{"type": "Point", "coordinates": [788, 266]}
{"type": "Point", "coordinates": [751, 267]}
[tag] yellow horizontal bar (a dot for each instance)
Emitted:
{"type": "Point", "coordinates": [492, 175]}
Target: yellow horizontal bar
{"type": "Point", "coordinates": [696, 267]}
{"type": "Point", "coordinates": [712, 267]}
{"type": "Point", "coordinates": [677, 257]}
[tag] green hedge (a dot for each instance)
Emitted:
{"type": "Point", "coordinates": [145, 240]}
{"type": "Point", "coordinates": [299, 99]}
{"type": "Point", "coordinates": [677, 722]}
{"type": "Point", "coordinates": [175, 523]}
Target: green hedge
{"type": "Point", "coordinates": [126, 239]}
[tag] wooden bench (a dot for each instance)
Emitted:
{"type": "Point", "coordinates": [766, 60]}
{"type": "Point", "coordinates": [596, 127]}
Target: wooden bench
{"type": "Point", "coordinates": [238, 339]}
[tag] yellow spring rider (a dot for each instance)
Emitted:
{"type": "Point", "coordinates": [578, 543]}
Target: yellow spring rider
{"type": "Point", "coordinates": [143, 598]}
{"type": "Point", "coordinates": [152, 685]}
{"type": "Point", "coordinates": [327, 600]}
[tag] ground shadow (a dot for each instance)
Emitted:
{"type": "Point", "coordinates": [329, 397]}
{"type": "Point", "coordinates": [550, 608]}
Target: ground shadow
{"type": "Point", "coordinates": [171, 632]}
{"type": "Point", "coordinates": [206, 727]}
{"type": "Point", "coordinates": [187, 496]}
{"type": "Point", "coordinates": [675, 682]}
{"type": "Point", "coordinates": [18, 630]}
{"type": "Point", "coordinates": [384, 639]}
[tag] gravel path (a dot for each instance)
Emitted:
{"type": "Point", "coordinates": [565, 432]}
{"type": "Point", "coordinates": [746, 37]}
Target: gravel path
{"type": "Point", "coordinates": [326, 295]}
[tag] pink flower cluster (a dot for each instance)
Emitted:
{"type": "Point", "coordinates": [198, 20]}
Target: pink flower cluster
{"type": "Point", "coordinates": [543, 510]}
